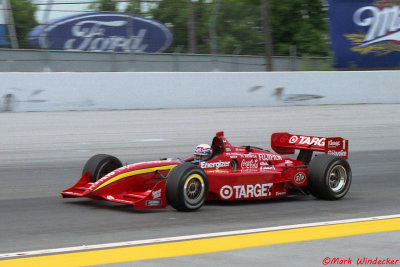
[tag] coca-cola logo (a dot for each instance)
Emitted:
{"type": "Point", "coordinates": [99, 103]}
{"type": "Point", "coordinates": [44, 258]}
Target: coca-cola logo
{"type": "Point", "coordinates": [102, 32]}
{"type": "Point", "coordinates": [250, 164]}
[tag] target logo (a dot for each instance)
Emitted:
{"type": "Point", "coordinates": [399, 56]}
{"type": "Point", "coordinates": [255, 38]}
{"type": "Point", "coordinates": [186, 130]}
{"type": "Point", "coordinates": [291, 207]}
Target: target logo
{"type": "Point", "coordinates": [293, 139]}
{"type": "Point", "coordinates": [226, 192]}
{"type": "Point", "coordinates": [300, 178]}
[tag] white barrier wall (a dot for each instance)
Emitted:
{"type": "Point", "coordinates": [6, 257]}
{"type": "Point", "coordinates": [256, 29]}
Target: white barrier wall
{"type": "Point", "coordinates": [97, 91]}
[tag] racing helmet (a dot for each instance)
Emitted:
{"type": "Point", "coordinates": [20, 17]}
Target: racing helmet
{"type": "Point", "coordinates": [202, 152]}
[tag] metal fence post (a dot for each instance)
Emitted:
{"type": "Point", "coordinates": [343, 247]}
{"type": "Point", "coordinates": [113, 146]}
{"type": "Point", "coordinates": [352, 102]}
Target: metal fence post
{"type": "Point", "coordinates": [267, 35]}
{"type": "Point", "coordinates": [191, 28]}
{"type": "Point", "coordinates": [213, 33]}
{"type": "Point", "coordinates": [46, 14]}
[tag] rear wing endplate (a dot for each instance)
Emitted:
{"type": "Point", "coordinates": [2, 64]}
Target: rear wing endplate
{"type": "Point", "coordinates": [286, 143]}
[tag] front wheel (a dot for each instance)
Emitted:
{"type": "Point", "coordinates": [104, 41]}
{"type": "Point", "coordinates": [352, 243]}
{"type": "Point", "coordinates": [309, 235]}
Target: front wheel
{"type": "Point", "coordinates": [100, 165]}
{"type": "Point", "coordinates": [329, 177]}
{"type": "Point", "coordinates": [186, 187]}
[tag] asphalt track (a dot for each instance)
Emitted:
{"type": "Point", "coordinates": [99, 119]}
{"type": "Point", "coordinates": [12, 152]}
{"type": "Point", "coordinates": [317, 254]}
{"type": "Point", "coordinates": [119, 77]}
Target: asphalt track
{"type": "Point", "coordinates": [43, 153]}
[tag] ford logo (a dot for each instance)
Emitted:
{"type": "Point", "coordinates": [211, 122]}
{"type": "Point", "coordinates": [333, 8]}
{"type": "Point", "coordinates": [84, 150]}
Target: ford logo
{"type": "Point", "coordinates": [102, 32]}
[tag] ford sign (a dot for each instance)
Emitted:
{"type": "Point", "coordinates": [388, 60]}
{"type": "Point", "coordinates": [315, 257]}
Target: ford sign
{"type": "Point", "coordinates": [102, 32]}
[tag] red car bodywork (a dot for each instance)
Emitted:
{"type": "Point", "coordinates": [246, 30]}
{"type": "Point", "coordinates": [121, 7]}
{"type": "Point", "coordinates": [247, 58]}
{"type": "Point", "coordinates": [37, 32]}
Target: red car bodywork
{"type": "Point", "coordinates": [234, 172]}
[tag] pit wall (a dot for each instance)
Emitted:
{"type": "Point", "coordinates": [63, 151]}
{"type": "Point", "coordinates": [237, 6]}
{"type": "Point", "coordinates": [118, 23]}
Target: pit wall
{"type": "Point", "coordinates": [64, 91]}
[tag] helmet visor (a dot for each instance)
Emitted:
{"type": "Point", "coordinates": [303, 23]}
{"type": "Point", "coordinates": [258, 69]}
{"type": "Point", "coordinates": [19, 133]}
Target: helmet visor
{"type": "Point", "coordinates": [200, 157]}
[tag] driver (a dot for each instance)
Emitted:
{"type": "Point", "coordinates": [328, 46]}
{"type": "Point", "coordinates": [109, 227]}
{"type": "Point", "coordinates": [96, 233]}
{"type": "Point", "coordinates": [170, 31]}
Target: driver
{"type": "Point", "coordinates": [202, 152]}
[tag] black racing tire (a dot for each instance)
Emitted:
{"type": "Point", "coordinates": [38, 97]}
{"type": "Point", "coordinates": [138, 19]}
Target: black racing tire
{"type": "Point", "coordinates": [329, 177]}
{"type": "Point", "coordinates": [100, 165]}
{"type": "Point", "coordinates": [187, 187]}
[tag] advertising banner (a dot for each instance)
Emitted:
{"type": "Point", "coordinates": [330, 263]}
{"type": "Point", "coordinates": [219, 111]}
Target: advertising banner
{"type": "Point", "coordinates": [102, 32]}
{"type": "Point", "coordinates": [365, 33]}
{"type": "Point", "coordinates": [3, 25]}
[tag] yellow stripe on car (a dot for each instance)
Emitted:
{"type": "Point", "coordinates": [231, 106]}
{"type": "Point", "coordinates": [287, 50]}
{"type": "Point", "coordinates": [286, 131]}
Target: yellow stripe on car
{"type": "Point", "coordinates": [133, 173]}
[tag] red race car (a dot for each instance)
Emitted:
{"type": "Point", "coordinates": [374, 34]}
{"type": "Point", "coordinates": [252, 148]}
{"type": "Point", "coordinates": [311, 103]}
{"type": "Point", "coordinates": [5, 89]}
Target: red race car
{"type": "Point", "coordinates": [231, 173]}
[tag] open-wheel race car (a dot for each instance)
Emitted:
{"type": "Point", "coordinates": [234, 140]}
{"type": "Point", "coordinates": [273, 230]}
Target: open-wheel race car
{"type": "Point", "coordinates": [232, 173]}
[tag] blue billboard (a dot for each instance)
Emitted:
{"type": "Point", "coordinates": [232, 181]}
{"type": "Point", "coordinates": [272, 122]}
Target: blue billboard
{"type": "Point", "coordinates": [102, 32]}
{"type": "Point", "coordinates": [4, 35]}
{"type": "Point", "coordinates": [4, 40]}
{"type": "Point", "coordinates": [365, 33]}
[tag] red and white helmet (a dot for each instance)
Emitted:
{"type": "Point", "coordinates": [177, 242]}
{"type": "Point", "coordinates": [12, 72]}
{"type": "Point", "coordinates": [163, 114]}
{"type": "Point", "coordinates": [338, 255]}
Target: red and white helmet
{"type": "Point", "coordinates": [202, 152]}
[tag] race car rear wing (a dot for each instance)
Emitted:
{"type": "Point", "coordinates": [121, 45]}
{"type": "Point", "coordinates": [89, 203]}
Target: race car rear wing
{"type": "Point", "coordinates": [285, 143]}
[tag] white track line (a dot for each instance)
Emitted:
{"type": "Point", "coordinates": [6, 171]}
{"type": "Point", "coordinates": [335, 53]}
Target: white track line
{"type": "Point", "coordinates": [189, 237]}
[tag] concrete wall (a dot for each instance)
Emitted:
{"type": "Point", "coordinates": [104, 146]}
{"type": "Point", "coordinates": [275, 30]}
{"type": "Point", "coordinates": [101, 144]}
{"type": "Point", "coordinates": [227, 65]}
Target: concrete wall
{"type": "Point", "coordinates": [97, 91]}
{"type": "Point", "coordinates": [61, 61]}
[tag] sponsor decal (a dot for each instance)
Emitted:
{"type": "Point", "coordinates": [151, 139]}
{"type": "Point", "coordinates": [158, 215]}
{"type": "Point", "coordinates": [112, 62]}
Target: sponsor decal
{"type": "Point", "coordinates": [267, 168]}
{"type": "Point", "coordinates": [226, 192]}
{"type": "Point", "coordinates": [153, 202]}
{"type": "Point", "coordinates": [300, 177]}
{"type": "Point", "coordinates": [249, 164]}
{"type": "Point", "coordinates": [156, 194]}
{"type": "Point", "coordinates": [293, 139]}
{"type": "Point", "coordinates": [307, 140]}
{"type": "Point", "coordinates": [102, 32]}
{"type": "Point", "coordinates": [333, 144]}
{"type": "Point", "coordinates": [246, 191]}
{"type": "Point", "coordinates": [266, 157]}
{"type": "Point", "coordinates": [341, 153]}
{"type": "Point", "coordinates": [280, 193]}
{"type": "Point", "coordinates": [216, 165]}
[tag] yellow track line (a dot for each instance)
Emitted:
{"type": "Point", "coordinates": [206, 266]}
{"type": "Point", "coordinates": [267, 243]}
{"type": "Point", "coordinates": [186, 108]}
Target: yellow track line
{"type": "Point", "coordinates": [208, 245]}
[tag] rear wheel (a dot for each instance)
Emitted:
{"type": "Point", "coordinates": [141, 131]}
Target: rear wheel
{"type": "Point", "coordinates": [100, 165]}
{"type": "Point", "coordinates": [329, 177]}
{"type": "Point", "coordinates": [186, 187]}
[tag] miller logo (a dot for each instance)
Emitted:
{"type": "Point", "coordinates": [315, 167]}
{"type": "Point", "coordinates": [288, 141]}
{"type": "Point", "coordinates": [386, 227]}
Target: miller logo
{"type": "Point", "coordinates": [380, 33]}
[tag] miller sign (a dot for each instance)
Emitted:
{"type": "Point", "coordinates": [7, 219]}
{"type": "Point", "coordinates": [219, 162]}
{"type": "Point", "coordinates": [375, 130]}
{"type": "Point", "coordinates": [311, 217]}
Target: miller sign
{"type": "Point", "coordinates": [102, 32]}
{"type": "Point", "coordinates": [3, 25]}
{"type": "Point", "coordinates": [365, 33]}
